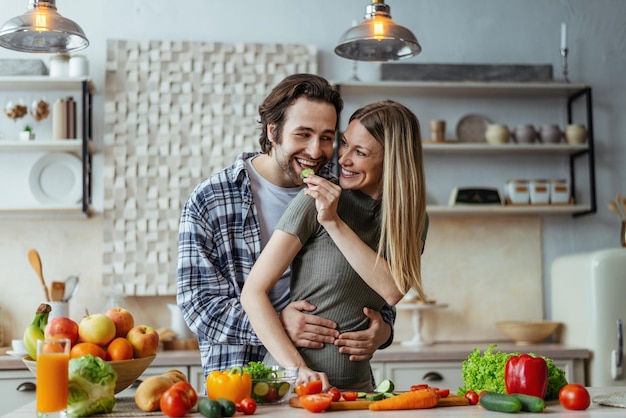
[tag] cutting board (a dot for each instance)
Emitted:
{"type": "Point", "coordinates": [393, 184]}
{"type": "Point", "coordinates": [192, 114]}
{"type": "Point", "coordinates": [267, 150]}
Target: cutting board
{"type": "Point", "coordinates": [450, 400]}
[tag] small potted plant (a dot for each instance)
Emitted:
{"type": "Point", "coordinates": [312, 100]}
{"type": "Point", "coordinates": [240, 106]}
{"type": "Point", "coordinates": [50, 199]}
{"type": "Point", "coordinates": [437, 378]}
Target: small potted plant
{"type": "Point", "coordinates": [27, 134]}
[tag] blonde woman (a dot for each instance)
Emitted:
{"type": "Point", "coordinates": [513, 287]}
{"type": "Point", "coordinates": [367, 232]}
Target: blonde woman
{"type": "Point", "coordinates": [349, 246]}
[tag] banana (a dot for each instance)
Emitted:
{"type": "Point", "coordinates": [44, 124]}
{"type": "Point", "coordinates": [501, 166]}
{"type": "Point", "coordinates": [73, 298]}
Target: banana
{"type": "Point", "coordinates": [35, 331]}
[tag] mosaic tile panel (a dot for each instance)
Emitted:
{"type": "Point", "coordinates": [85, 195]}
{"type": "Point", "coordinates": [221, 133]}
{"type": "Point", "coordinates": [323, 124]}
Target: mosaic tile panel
{"type": "Point", "coordinates": [175, 112]}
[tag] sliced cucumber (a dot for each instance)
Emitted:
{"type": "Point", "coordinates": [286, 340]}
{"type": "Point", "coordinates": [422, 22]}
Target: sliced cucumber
{"type": "Point", "coordinates": [389, 394]}
{"type": "Point", "coordinates": [261, 389]}
{"type": "Point", "coordinates": [386, 386]}
{"type": "Point", "coordinates": [375, 396]}
{"type": "Point", "coordinates": [282, 389]}
{"type": "Point", "coordinates": [362, 395]}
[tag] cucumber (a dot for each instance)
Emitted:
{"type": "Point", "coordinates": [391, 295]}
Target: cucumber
{"type": "Point", "coordinates": [500, 402]}
{"type": "Point", "coordinates": [306, 172]}
{"type": "Point", "coordinates": [282, 389]}
{"type": "Point", "coordinates": [375, 396]}
{"type": "Point", "coordinates": [530, 403]}
{"type": "Point", "coordinates": [389, 395]}
{"type": "Point", "coordinates": [261, 389]}
{"type": "Point", "coordinates": [386, 386]}
{"type": "Point", "coordinates": [362, 395]}
{"type": "Point", "coordinates": [228, 407]}
{"type": "Point", "coordinates": [210, 408]}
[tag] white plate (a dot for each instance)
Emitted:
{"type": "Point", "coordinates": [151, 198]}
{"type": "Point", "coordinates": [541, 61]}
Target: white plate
{"type": "Point", "coordinates": [472, 128]}
{"type": "Point", "coordinates": [17, 354]}
{"type": "Point", "coordinates": [617, 399]}
{"type": "Point", "coordinates": [56, 178]}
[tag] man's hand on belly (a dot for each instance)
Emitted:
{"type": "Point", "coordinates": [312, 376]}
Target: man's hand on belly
{"type": "Point", "coordinates": [361, 345]}
{"type": "Point", "coordinates": [306, 330]}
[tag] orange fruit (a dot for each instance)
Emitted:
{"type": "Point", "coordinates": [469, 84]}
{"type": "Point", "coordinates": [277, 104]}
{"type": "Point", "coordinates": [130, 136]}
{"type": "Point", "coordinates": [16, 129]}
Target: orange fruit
{"type": "Point", "coordinates": [82, 349]}
{"type": "Point", "coordinates": [119, 349]}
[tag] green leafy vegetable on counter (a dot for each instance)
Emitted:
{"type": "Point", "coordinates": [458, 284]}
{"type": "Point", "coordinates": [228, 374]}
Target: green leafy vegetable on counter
{"type": "Point", "coordinates": [258, 370]}
{"type": "Point", "coordinates": [91, 387]}
{"type": "Point", "coordinates": [486, 372]}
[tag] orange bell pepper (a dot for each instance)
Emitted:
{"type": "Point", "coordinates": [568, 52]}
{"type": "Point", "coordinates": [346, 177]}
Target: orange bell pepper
{"type": "Point", "coordinates": [233, 385]}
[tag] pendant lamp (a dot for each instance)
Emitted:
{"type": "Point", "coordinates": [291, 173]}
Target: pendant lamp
{"type": "Point", "coordinates": [42, 29]}
{"type": "Point", "coordinates": [377, 38]}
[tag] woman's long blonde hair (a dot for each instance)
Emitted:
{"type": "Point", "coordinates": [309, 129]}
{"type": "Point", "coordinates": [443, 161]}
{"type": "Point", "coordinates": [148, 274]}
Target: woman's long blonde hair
{"type": "Point", "coordinates": [403, 216]}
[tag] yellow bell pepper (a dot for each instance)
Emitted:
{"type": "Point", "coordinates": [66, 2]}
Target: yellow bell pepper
{"type": "Point", "coordinates": [233, 385]}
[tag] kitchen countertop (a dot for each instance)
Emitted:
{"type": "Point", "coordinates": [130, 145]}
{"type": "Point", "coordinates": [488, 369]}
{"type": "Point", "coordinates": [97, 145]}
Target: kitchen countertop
{"type": "Point", "coordinates": [553, 408]}
{"type": "Point", "coordinates": [396, 352]}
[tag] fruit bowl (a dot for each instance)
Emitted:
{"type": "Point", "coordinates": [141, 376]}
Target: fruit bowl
{"type": "Point", "coordinates": [274, 390]}
{"type": "Point", "coordinates": [127, 370]}
{"type": "Point", "coordinates": [527, 332]}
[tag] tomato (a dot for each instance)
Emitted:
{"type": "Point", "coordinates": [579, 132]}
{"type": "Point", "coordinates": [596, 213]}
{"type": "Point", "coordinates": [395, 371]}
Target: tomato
{"type": "Point", "coordinates": [271, 394]}
{"type": "Point", "coordinates": [349, 396]}
{"type": "Point", "coordinates": [189, 390]}
{"type": "Point", "coordinates": [309, 388]}
{"type": "Point", "coordinates": [317, 402]}
{"type": "Point", "coordinates": [472, 397]}
{"type": "Point", "coordinates": [443, 393]}
{"type": "Point", "coordinates": [335, 393]}
{"type": "Point", "coordinates": [419, 387]}
{"type": "Point", "coordinates": [574, 396]}
{"type": "Point", "coordinates": [247, 406]}
{"type": "Point", "coordinates": [175, 402]}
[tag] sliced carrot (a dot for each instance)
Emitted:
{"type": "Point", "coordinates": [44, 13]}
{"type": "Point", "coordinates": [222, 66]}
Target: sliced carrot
{"type": "Point", "coordinates": [415, 399]}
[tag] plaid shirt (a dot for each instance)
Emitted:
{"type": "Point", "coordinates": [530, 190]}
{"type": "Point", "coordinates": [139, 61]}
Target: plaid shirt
{"type": "Point", "coordinates": [219, 240]}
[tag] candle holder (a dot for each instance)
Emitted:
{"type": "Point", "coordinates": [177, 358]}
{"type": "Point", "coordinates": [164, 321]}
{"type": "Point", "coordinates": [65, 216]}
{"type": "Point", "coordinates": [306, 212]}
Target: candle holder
{"type": "Point", "coordinates": [564, 64]}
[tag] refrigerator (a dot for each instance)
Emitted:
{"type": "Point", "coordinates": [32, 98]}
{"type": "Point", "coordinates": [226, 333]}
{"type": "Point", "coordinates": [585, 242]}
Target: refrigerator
{"type": "Point", "coordinates": [589, 298]}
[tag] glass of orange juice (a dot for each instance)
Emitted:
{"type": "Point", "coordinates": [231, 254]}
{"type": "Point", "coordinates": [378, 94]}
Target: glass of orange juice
{"type": "Point", "coordinates": [53, 358]}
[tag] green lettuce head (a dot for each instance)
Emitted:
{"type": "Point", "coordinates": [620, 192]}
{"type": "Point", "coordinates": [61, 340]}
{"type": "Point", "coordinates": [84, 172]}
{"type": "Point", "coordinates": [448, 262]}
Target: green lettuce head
{"type": "Point", "coordinates": [91, 387]}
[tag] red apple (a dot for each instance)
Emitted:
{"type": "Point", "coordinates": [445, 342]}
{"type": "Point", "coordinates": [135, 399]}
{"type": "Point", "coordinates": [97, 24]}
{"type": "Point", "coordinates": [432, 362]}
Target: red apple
{"type": "Point", "coordinates": [123, 320]}
{"type": "Point", "coordinates": [96, 328]}
{"type": "Point", "coordinates": [62, 327]}
{"type": "Point", "coordinates": [144, 339]}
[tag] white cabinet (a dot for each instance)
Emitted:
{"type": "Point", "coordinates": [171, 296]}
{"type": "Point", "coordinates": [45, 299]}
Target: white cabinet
{"type": "Point", "coordinates": [454, 163]}
{"type": "Point", "coordinates": [47, 176]}
{"type": "Point", "coordinates": [17, 388]}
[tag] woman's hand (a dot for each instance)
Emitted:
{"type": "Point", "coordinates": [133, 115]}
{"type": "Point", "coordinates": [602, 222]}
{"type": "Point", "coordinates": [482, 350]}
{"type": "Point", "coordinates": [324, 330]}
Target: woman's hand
{"type": "Point", "coordinates": [326, 195]}
{"type": "Point", "coordinates": [307, 375]}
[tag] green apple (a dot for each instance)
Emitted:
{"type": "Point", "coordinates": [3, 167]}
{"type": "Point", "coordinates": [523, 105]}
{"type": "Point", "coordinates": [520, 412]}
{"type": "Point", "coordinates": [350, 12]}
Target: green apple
{"type": "Point", "coordinates": [96, 328]}
{"type": "Point", "coordinates": [144, 339]}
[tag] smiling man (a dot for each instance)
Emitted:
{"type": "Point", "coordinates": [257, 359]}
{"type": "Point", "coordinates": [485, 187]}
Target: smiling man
{"type": "Point", "coordinates": [229, 217]}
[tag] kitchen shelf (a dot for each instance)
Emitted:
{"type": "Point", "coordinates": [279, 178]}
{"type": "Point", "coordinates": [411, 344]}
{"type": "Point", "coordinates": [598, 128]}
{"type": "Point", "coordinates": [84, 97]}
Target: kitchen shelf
{"type": "Point", "coordinates": [570, 93]}
{"type": "Point", "coordinates": [83, 146]}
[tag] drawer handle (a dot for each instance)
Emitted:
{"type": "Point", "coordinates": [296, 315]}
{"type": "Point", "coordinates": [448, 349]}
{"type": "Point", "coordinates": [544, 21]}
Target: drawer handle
{"type": "Point", "coordinates": [432, 377]}
{"type": "Point", "coordinates": [27, 387]}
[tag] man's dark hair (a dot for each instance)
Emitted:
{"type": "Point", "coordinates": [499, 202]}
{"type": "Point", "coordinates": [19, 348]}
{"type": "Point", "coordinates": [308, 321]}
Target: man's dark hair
{"type": "Point", "coordinates": [273, 108]}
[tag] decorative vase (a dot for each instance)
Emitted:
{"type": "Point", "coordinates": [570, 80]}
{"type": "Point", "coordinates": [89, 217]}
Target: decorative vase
{"type": "Point", "coordinates": [525, 134]}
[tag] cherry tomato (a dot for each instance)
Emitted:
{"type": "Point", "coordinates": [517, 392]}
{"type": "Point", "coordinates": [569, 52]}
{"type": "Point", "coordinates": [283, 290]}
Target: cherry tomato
{"type": "Point", "coordinates": [472, 397]}
{"type": "Point", "coordinates": [247, 406]}
{"type": "Point", "coordinates": [574, 396]}
{"type": "Point", "coordinates": [175, 402]}
{"type": "Point", "coordinates": [189, 390]}
{"type": "Point", "coordinates": [443, 393]}
{"type": "Point", "coordinates": [349, 396]}
{"type": "Point", "coordinates": [419, 387]}
{"type": "Point", "coordinates": [317, 402]}
{"type": "Point", "coordinates": [335, 393]}
{"type": "Point", "coordinates": [271, 394]}
{"type": "Point", "coordinates": [309, 388]}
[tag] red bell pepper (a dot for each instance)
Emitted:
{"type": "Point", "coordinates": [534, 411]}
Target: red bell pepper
{"type": "Point", "coordinates": [527, 375]}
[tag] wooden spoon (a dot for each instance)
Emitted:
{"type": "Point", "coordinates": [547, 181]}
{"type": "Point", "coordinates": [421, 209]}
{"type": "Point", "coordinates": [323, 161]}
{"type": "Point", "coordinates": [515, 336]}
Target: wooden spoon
{"type": "Point", "coordinates": [35, 262]}
{"type": "Point", "coordinates": [57, 291]}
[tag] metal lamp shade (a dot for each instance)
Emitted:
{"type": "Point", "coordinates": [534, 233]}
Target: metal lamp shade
{"type": "Point", "coordinates": [377, 38]}
{"type": "Point", "coordinates": [42, 30]}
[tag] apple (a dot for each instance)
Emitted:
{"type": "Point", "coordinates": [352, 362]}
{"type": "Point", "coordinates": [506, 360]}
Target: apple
{"type": "Point", "coordinates": [62, 327]}
{"type": "Point", "coordinates": [96, 328]}
{"type": "Point", "coordinates": [123, 320]}
{"type": "Point", "coordinates": [144, 339]}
